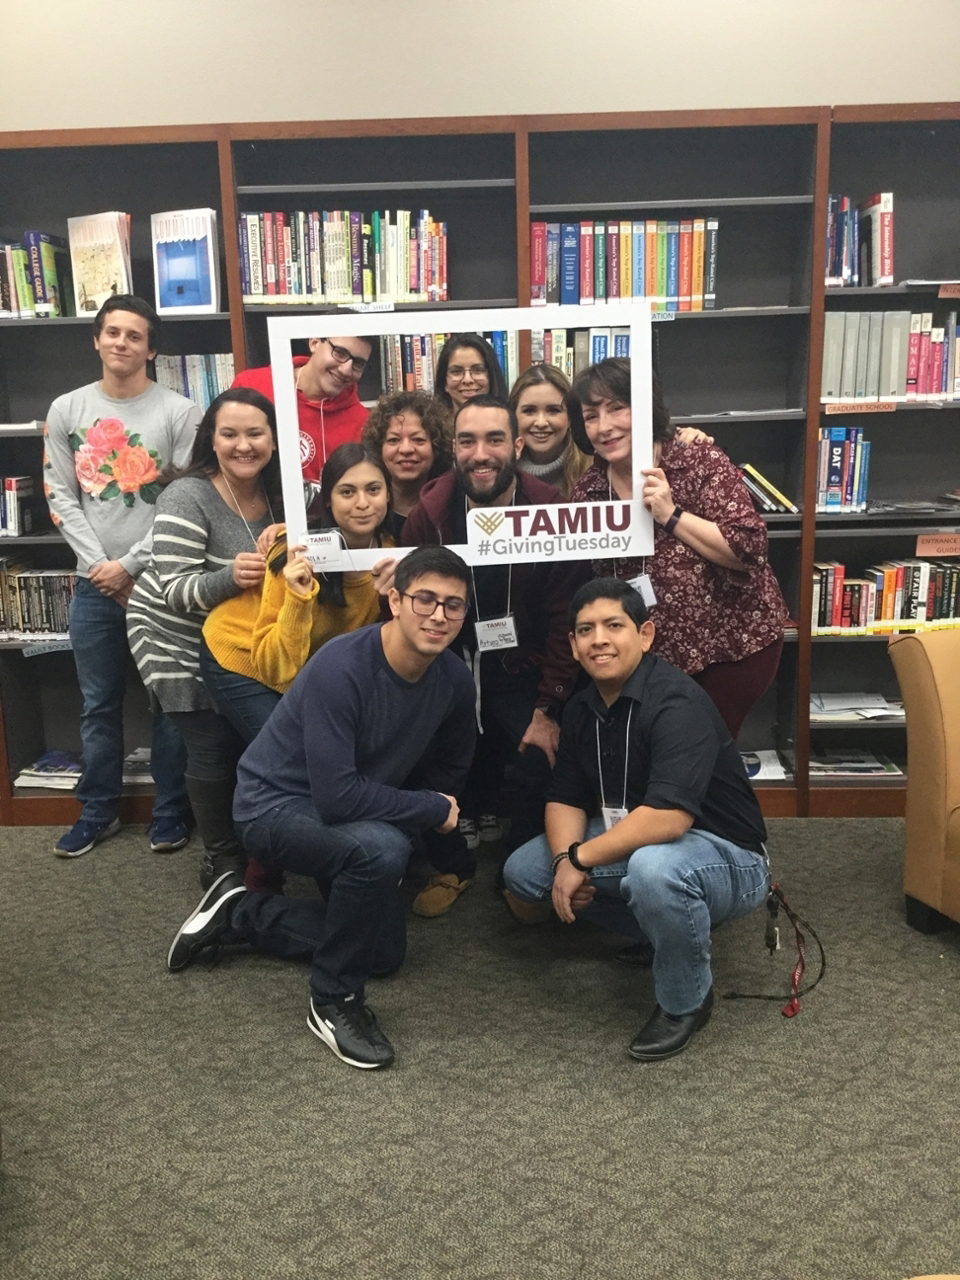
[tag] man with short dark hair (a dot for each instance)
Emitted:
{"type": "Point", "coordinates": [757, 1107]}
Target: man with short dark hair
{"type": "Point", "coordinates": [106, 445]}
{"type": "Point", "coordinates": [652, 827]}
{"type": "Point", "coordinates": [328, 407]}
{"type": "Point", "coordinates": [370, 745]}
{"type": "Point", "coordinates": [523, 667]}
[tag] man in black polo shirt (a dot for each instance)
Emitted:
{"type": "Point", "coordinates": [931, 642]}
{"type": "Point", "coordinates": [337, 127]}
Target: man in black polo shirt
{"type": "Point", "coordinates": [652, 827]}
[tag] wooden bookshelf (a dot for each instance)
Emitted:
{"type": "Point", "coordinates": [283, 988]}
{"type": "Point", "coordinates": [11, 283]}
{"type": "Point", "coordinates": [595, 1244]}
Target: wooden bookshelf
{"type": "Point", "coordinates": [766, 172]}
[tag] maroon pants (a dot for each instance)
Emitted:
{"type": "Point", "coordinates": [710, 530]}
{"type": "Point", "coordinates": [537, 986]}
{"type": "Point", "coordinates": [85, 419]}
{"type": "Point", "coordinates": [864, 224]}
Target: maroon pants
{"type": "Point", "coordinates": [735, 686]}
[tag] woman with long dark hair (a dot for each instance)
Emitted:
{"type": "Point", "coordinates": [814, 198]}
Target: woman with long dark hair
{"type": "Point", "coordinates": [467, 366]}
{"type": "Point", "coordinates": [209, 515]}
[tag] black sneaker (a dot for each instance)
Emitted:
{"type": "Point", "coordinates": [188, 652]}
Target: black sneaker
{"type": "Point", "coordinates": [350, 1030]}
{"type": "Point", "coordinates": [207, 924]}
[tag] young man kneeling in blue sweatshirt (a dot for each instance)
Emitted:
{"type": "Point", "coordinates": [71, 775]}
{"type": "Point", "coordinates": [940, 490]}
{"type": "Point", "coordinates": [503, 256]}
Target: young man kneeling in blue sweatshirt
{"type": "Point", "coordinates": [369, 745]}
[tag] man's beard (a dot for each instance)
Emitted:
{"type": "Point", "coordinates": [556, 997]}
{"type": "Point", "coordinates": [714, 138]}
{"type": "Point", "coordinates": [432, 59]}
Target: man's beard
{"type": "Point", "coordinates": [505, 478]}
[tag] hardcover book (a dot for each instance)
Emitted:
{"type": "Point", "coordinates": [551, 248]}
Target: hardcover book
{"type": "Point", "coordinates": [186, 261]}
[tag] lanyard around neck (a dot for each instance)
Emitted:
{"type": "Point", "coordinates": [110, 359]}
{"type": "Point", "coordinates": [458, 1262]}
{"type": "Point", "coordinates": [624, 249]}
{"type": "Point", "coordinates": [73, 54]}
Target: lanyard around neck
{"type": "Point", "coordinates": [473, 580]}
{"type": "Point", "coordinates": [626, 762]}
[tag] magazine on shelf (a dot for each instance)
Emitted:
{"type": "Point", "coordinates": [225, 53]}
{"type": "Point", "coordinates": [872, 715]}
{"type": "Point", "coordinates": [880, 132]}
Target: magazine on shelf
{"type": "Point", "coordinates": [100, 257]}
{"type": "Point", "coordinates": [59, 769]}
{"type": "Point", "coordinates": [186, 262]}
{"type": "Point", "coordinates": [763, 766]}
{"type": "Point", "coordinates": [136, 768]}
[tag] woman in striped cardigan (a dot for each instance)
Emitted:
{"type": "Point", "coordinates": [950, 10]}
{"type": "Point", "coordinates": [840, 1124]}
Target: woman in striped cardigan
{"type": "Point", "coordinates": [209, 516]}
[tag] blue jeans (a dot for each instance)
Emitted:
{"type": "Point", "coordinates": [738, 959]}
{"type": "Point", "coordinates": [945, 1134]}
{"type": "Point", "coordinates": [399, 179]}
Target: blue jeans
{"type": "Point", "coordinates": [98, 635]}
{"type": "Point", "coordinates": [246, 703]}
{"type": "Point", "coordinates": [359, 928]}
{"type": "Point", "coordinates": [670, 894]}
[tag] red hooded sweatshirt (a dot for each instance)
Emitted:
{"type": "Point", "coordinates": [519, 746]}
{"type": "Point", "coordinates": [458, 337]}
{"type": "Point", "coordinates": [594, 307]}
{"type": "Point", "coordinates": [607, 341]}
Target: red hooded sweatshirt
{"type": "Point", "coordinates": [324, 424]}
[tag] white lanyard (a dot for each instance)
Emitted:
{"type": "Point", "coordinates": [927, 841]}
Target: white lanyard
{"type": "Point", "coordinates": [612, 815]}
{"type": "Point", "coordinates": [494, 633]}
{"type": "Point", "coordinates": [240, 513]}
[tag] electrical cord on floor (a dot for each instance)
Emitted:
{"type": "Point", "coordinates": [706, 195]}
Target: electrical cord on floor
{"type": "Point", "coordinates": [775, 900]}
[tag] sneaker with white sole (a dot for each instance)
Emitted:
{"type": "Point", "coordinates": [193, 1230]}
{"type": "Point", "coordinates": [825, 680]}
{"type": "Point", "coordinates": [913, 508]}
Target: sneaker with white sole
{"type": "Point", "coordinates": [83, 835]}
{"type": "Point", "coordinates": [468, 829]}
{"type": "Point", "coordinates": [168, 834]}
{"type": "Point", "coordinates": [489, 828]}
{"type": "Point", "coordinates": [350, 1030]}
{"type": "Point", "coordinates": [207, 924]}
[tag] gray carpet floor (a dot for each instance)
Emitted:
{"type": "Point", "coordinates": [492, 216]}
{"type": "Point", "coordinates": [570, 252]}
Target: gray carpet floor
{"type": "Point", "coordinates": [172, 1127]}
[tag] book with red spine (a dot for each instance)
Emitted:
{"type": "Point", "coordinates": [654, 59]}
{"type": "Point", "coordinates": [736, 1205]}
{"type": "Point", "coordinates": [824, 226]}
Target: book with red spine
{"type": "Point", "coordinates": [913, 355]}
{"type": "Point", "coordinates": [837, 599]}
{"type": "Point", "coordinates": [878, 211]}
{"type": "Point", "coordinates": [538, 264]}
{"type": "Point", "coordinates": [936, 364]}
{"type": "Point", "coordinates": [280, 243]}
{"type": "Point", "coordinates": [613, 259]}
{"type": "Point", "coordinates": [923, 365]}
{"type": "Point", "coordinates": [686, 264]}
{"type": "Point", "coordinates": [548, 346]}
{"type": "Point", "coordinates": [269, 255]}
{"type": "Point", "coordinates": [586, 264]}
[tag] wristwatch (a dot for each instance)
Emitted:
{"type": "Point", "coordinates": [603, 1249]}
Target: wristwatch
{"type": "Point", "coordinates": [671, 524]}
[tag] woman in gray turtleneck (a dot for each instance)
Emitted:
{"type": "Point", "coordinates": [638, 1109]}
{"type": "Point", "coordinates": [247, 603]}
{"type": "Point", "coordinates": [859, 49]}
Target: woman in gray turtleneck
{"type": "Point", "coordinates": [549, 453]}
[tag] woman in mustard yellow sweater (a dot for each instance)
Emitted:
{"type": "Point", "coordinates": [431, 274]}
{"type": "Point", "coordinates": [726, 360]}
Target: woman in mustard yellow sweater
{"type": "Point", "coordinates": [255, 644]}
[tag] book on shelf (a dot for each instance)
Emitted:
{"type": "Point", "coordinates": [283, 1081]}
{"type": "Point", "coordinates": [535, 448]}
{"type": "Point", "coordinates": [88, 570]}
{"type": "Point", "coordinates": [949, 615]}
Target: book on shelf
{"type": "Point", "coordinates": [343, 257]}
{"type": "Point", "coordinates": [767, 497]}
{"type": "Point", "coordinates": [186, 262]}
{"type": "Point", "coordinates": [136, 768]}
{"type": "Point", "coordinates": [840, 710]}
{"type": "Point", "coordinates": [671, 263]}
{"type": "Point", "coordinates": [843, 470]}
{"type": "Point", "coordinates": [890, 597]}
{"type": "Point", "coordinates": [100, 255]}
{"type": "Point", "coordinates": [851, 764]}
{"type": "Point", "coordinates": [408, 362]}
{"type": "Point", "coordinates": [572, 350]}
{"type": "Point", "coordinates": [16, 506]}
{"type": "Point", "coordinates": [49, 274]}
{"type": "Point", "coordinates": [859, 249]}
{"type": "Point", "coordinates": [201, 378]}
{"type": "Point", "coordinates": [871, 356]}
{"type": "Point", "coordinates": [17, 292]}
{"type": "Point", "coordinates": [33, 602]}
{"type": "Point", "coordinates": [59, 769]}
{"type": "Point", "coordinates": [764, 766]}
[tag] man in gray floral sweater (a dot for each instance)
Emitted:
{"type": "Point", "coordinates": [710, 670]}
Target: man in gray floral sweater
{"type": "Point", "coordinates": [106, 444]}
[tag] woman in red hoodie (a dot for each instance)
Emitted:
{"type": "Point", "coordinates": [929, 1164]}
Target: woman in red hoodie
{"type": "Point", "coordinates": [328, 406]}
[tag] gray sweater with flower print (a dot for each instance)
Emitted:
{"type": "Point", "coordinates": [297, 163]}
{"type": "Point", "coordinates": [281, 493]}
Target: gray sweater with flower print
{"type": "Point", "coordinates": [100, 466]}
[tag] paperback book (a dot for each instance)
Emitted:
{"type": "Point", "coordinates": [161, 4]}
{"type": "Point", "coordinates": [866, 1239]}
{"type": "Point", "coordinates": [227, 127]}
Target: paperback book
{"type": "Point", "coordinates": [186, 262]}
{"type": "Point", "coordinates": [100, 256]}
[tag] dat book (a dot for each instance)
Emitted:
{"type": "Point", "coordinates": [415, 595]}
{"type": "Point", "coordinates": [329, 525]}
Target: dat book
{"type": "Point", "coordinates": [186, 262]}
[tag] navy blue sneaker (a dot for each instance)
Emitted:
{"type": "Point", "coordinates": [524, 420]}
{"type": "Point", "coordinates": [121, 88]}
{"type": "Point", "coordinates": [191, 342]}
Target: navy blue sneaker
{"type": "Point", "coordinates": [83, 835]}
{"type": "Point", "coordinates": [168, 834]}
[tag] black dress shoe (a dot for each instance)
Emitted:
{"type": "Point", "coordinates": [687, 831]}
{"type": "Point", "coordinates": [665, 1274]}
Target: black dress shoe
{"type": "Point", "coordinates": [640, 955]}
{"type": "Point", "coordinates": [664, 1036]}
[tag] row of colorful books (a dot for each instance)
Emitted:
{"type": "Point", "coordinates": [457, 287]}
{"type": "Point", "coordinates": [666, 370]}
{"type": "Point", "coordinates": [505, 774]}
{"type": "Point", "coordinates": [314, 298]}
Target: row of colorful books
{"type": "Point", "coordinates": [671, 262]}
{"type": "Point", "coordinates": [572, 350]}
{"type": "Point", "coordinates": [47, 276]}
{"type": "Point", "coordinates": [16, 501]}
{"type": "Point", "coordinates": [843, 470]}
{"type": "Point", "coordinates": [200, 378]}
{"type": "Point", "coordinates": [893, 596]}
{"type": "Point", "coordinates": [409, 362]}
{"type": "Point", "coordinates": [889, 355]}
{"type": "Point", "coordinates": [33, 601]}
{"type": "Point", "coordinates": [766, 496]}
{"type": "Point", "coordinates": [860, 241]}
{"type": "Point", "coordinates": [342, 256]}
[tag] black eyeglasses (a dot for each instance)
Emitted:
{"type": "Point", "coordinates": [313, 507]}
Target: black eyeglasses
{"type": "Point", "coordinates": [424, 605]}
{"type": "Point", "coordinates": [342, 355]}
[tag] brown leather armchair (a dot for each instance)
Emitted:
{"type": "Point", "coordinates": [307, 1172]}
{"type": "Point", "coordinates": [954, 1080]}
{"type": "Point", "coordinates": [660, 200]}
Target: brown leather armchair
{"type": "Point", "coordinates": [928, 668]}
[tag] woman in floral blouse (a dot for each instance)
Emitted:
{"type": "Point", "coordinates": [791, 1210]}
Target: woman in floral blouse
{"type": "Point", "coordinates": [719, 613]}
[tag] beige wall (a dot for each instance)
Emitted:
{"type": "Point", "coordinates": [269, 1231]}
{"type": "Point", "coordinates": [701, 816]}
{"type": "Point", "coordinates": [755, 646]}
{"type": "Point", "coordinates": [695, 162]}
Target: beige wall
{"type": "Point", "coordinates": [197, 61]}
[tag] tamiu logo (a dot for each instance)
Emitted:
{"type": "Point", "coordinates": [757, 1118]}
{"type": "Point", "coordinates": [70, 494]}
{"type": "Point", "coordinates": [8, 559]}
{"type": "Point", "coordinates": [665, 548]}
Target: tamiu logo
{"type": "Point", "coordinates": [489, 524]}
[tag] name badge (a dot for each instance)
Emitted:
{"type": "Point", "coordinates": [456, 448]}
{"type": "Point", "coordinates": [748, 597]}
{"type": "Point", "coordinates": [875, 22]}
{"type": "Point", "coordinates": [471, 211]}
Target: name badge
{"type": "Point", "coordinates": [496, 633]}
{"type": "Point", "coordinates": [323, 548]}
{"type": "Point", "coordinates": [612, 816]}
{"type": "Point", "coordinates": [645, 587]}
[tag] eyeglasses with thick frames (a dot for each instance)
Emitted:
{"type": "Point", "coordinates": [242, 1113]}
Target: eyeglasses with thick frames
{"type": "Point", "coordinates": [424, 605]}
{"type": "Point", "coordinates": [342, 355]}
{"type": "Point", "coordinates": [456, 373]}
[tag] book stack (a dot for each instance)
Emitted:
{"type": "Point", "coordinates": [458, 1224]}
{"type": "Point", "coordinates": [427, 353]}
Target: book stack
{"type": "Point", "coordinates": [186, 262]}
{"type": "Point", "coordinates": [894, 596]}
{"type": "Point", "coordinates": [843, 468]}
{"type": "Point", "coordinates": [842, 710]}
{"type": "Point", "coordinates": [897, 356]}
{"type": "Point", "coordinates": [860, 241]}
{"type": "Point", "coordinates": [200, 378]}
{"type": "Point", "coordinates": [573, 350]}
{"type": "Point", "coordinates": [342, 257]}
{"type": "Point", "coordinates": [100, 254]}
{"type": "Point", "coordinates": [35, 279]}
{"type": "Point", "coordinates": [670, 262]}
{"type": "Point", "coordinates": [840, 766]}
{"type": "Point", "coordinates": [136, 768]}
{"type": "Point", "coordinates": [408, 362]}
{"type": "Point", "coordinates": [59, 769]}
{"type": "Point", "coordinates": [16, 502]}
{"type": "Point", "coordinates": [33, 601]}
{"type": "Point", "coordinates": [765, 496]}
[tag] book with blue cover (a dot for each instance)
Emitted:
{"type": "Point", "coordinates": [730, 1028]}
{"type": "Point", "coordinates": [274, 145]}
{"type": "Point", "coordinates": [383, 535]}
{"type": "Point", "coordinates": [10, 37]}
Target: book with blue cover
{"type": "Point", "coordinates": [186, 262]}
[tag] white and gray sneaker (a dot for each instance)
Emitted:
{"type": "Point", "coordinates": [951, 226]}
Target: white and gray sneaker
{"type": "Point", "coordinates": [468, 829]}
{"type": "Point", "coordinates": [207, 924]}
{"type": "Point", "coordinates": [350, 1030]}
{"type": "Point", "coordinates": [489, 828]}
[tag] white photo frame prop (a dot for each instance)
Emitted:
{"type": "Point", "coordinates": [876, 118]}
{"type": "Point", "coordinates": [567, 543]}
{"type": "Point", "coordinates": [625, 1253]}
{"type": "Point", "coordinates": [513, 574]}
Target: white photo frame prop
{"type": "Point", "coordinates": [496, 535]}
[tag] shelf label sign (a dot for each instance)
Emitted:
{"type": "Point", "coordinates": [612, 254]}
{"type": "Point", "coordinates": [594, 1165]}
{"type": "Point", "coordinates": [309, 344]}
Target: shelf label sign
{"type": "Point", "coordinates": [949, 289]}
{"type": "Point", "coordinates": [522, 533]}
{"type": "Point", "coordinates": [938, 544]}
{"type": "Point", "coordinates": [861, 406]}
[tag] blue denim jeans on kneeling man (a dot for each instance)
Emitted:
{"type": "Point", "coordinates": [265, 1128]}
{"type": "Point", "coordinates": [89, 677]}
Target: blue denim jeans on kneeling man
{"type": "Point", "coordinates": [671, 895]}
